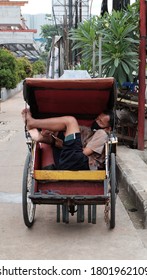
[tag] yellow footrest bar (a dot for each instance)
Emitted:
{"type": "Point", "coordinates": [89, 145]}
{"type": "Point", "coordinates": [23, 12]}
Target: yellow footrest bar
{"type": "Point", "coordinates": [88, 175]}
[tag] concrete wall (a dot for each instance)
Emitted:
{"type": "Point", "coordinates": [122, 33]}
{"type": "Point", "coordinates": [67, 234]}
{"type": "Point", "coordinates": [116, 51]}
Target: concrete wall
{"type": "Point", "coordinates": [35, 22]}
{"type": "Point", "coordinates": [7, 93]}
{"type": "Point", "coordinates": [16, 37]}
{"type": "Point", "coordinates": [10, 15]}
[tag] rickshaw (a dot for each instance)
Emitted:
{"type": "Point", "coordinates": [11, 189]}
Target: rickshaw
{"type": "Point", "coordinates": [70, 191]}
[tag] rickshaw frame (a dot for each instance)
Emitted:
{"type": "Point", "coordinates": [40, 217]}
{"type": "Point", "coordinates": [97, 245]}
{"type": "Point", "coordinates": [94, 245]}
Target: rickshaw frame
{"type": "Point", "coordinates": [71, 191]}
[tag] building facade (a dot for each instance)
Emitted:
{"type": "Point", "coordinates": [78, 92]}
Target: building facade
{"type": "Point", "coordinates": [35, 22]}
{"type": "Point", "coordinates": [14, 33]}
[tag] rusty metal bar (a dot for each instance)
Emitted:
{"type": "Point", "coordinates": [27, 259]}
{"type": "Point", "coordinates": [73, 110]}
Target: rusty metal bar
{"type": "Point", "coordinates": [58, 213]}
{"type": "Point", "coordinates": [93, 214]}
{"type": "Point", "coordinates": [142, 64]}
{"type": "Point", "coordinates": [89, 213]}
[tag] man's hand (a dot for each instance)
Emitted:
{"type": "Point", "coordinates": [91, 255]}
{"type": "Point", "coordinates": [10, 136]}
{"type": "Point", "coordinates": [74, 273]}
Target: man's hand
{"type": "Point", "coordinates": [58, 141]}
{"type": "Point", "coordinates": [87, 151]}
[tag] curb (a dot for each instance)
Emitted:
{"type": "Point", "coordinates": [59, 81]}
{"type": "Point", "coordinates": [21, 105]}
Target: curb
{"type": "Point", "coordinates": [126, 176]}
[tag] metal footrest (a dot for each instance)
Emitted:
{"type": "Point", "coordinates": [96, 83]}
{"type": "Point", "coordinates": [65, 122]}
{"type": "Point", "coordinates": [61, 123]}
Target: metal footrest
{"type": "Point", "coordinates": [65, 210]}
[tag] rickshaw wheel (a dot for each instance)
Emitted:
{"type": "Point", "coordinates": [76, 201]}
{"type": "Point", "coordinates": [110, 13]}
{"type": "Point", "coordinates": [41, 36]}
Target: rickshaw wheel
{"type": "Point", "coordinates": [112, 191]}
{"type": "Point", "coordinates": [27, 206]}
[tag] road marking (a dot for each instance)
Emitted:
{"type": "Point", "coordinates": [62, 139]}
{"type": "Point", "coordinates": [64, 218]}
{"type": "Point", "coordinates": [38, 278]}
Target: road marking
{"type": "Point", "coordinates": [10, 197]}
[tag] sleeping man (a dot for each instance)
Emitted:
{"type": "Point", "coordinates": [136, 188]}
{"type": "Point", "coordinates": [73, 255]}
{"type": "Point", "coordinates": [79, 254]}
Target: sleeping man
{"type": "Point", "coordinates": [79, 148]}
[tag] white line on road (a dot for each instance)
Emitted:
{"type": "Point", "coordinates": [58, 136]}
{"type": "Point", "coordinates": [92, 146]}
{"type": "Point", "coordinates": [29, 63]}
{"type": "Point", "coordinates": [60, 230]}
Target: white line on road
{"type": "Point", "coordinates": [10, 197]}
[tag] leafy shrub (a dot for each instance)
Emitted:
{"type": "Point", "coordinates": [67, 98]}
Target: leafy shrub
{"type": "Point", "coordinates": [119, 52]}
{"type": "Point", "coordinates": [8, 69]}
{"type": "Point", "coordinates": [38, 67]}
{"type": "Point", "coordinates": [24, 68]}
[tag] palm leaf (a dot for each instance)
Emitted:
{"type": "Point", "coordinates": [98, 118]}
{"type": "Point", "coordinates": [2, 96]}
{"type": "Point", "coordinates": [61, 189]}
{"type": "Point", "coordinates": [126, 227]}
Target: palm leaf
{"type": "Point", "coordinates": [125, 67]}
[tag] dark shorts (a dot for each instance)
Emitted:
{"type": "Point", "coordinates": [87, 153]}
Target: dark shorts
{"type": "Point", "coordinates": [71, 156]}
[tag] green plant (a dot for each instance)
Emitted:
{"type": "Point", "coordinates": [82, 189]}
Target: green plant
{"type": "Point", "coordinates": [8, 69]}
{"type": "Point", "coordinates": [119, 32]}
{"type": "Point", "coordinates": [38, 67]}
{"type": "Point", "coordinates": [24, 68]}
{"type": "Point", "coordinates": [83, 39]}
{"type": "Point", "coordinates": [120, 47]}
{"type": "Point", "coordinates": [47, 32]}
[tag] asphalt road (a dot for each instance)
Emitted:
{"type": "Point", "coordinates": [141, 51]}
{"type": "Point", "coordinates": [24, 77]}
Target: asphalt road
{"type": "Point", "coordinates": [47, 240]}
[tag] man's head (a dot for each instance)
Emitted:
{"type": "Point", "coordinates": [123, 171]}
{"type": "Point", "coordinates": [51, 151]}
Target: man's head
{"type": "Point", "coordinates": [104, 121]}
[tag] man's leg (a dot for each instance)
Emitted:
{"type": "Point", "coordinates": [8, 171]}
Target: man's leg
{"type": "Point", "coordinates": [71, 156]}
{"type": "Point", "coordinates": [68, 124]}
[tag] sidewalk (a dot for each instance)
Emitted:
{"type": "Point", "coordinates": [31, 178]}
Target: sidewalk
{"type": "Point", "coordinates": [132, 173]}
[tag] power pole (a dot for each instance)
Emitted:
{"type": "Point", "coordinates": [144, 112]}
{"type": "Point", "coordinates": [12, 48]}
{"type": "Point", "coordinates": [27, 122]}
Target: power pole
{"type": "Point", "coordinates": [80, 10]}
{"type": "Point", "coordinates": [65, 39]}
{"type": "Point", "coordinates": [70, 26]}
{"type": "Point", "coordinates": [70, 14]}
{"type": "Point", "coordinates": [76, 26]}
{"type": "Point", "coordinates": [76, 13]}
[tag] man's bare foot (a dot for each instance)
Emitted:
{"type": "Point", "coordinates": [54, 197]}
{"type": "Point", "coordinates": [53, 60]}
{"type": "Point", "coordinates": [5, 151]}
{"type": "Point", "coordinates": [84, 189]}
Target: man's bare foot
{"type": "Point", "coordinates": [37, 136]}
{"type": "Point", "coordinates": [27, 118]}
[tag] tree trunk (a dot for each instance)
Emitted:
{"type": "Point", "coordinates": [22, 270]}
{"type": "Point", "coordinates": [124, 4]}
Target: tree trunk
{"type": "Point", "coordinates": [120, 4]}
{"type": "Point", "coordinates": [116, 5]}
{"type": "Point", "coordinates": [104, 7]}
